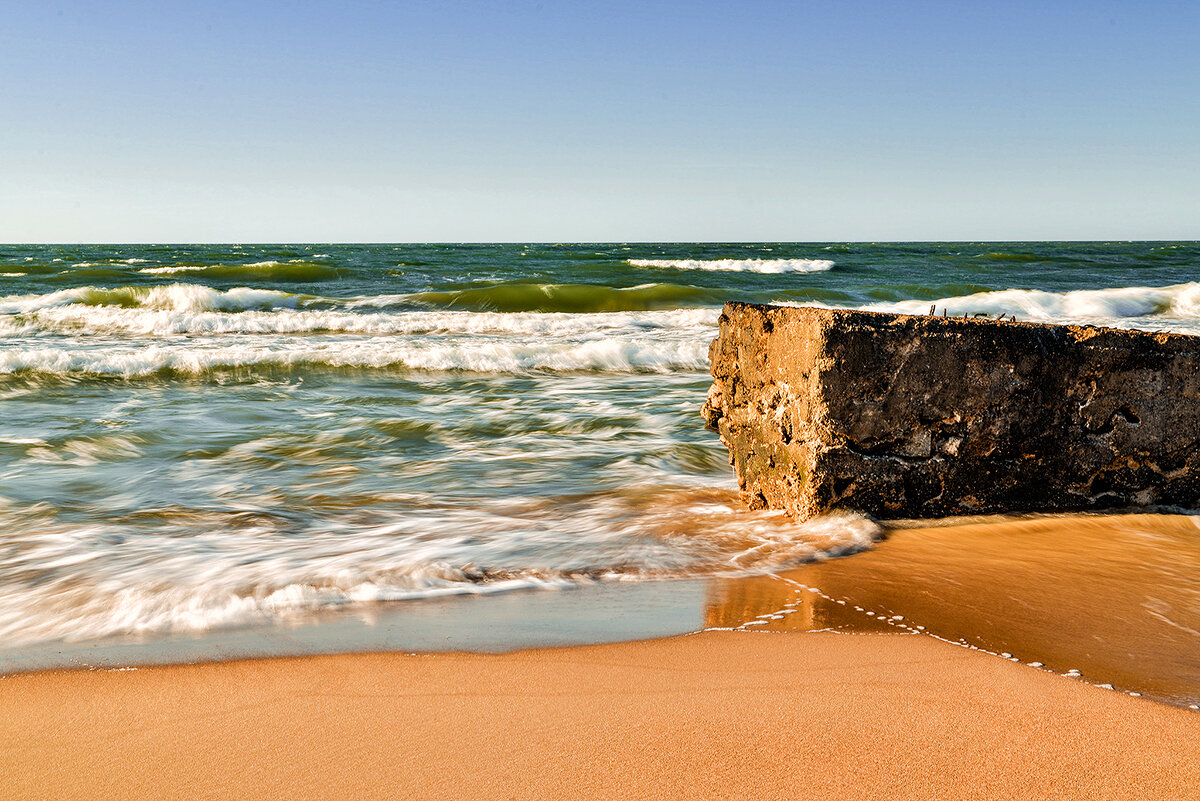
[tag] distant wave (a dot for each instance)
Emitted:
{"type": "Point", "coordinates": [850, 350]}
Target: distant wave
{"type": "Point", "coordinates": [297, 270]}
{"type": "Point", "coordinates": [740, 265]}
{"type": "Point", "coordinates": [521, 297]}
{"type": "Point", "coordinates": [1115, 306]}
{"type": "Point", "coordinates": [175, 268]}
{"type": "Point", "coordinates": [1005, 256]}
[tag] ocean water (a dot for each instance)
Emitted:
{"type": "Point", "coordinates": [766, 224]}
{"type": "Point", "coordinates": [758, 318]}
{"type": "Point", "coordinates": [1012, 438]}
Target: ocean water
{"type": "Point", "coordinates": [195, 437]}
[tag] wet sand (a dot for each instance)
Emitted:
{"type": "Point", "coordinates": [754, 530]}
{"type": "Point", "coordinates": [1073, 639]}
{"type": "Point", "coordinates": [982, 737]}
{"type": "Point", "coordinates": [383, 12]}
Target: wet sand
{"type": "Point", "coordinates": [1113, 597]}
{"type": "Point", "coordinates": [715, 715]}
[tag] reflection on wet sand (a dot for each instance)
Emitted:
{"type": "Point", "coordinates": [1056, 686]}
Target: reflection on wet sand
{"type": "Point", "coordinates": [1114, 598]}
{"type": "Point", "coordinates": [777, 603]}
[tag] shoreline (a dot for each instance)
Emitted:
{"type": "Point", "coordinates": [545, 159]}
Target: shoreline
{"type": "Point", "coordinates": [496, 623]}
{"type": "Point", "coordinates": [880, 674]}
{"type": "Point", "coordinates": [1106, 598]}
{"type": "Point", "coordinates": [702, 715]}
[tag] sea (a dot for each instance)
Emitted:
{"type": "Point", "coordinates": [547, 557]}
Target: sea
{"type": "Point", "coordinates": [198, 438]}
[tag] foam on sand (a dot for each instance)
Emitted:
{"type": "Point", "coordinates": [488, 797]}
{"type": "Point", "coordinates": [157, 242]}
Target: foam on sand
{"type": "Point", "coordinates": [70, 582]}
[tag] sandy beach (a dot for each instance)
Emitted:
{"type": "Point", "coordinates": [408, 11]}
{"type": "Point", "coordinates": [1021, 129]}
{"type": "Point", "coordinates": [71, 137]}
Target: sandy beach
{"type": "Point", "coordinates": [714, 715]}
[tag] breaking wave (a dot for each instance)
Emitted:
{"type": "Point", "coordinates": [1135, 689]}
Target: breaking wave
{"type": "Point", "coordinates": [486, 356]}
{"type": "Point", "coordinates": [194, 330]}
{"type": "Point", "coordinates": [508, 298]}
{"type": "Point", "coordinates": [116, 320]}
{"type": "Point", "coordinates": [176, 297]}
{"type": "Point", "coordinates": [1120, 306]}
{"type": "Point", "coordinates": [739, 265]}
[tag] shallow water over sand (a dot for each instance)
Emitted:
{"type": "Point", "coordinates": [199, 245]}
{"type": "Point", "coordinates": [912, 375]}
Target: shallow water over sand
{"type": "Point", "coordinates": [1113, 598]}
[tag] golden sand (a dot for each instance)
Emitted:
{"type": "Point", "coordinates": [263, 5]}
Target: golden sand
{"type": "Point", "coordinates": [715, 715]}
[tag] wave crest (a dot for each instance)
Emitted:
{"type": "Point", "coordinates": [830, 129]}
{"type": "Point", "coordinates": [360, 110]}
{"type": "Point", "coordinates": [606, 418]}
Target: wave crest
{"type": "Point", "coordinates": [297, 270]}
{"type": "Point", "coordinates": [739, 265]}
{"type": "Point", "coordinates": [175, 297]}
{"type": "Point", "coordinates": [1115, 306]}
{"type": "Point", "coordinates": [487, 356]}
{"type": "Point", "coordinates": [116, 320]}
{"type": "Point", "coordinates": [508, 298]}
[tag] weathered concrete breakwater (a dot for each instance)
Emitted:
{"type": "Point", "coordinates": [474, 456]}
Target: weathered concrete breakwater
{"type": "Point", "coordinates": [902, 416]}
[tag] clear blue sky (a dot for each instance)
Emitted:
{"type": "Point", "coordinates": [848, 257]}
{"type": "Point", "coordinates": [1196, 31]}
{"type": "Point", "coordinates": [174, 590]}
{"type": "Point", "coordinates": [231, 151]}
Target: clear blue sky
{"type": "Point", "coordinates": [563, 121]}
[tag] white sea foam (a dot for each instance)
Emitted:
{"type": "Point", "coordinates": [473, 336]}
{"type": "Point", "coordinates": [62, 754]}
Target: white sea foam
{"type": "Point", "coordinates": [250, 268]}
{"type": "Point", "coordinates": [81, 319]}
{"type": "Point", "coordinates": [486, 356]}
{"type": "Point", "coordinates": [81, 582]}
{"type": "Point", "coordinates": [740, 265]}
{"type": "Point", "coordinates": [1117, 306]}
{"type": "Point", "coordinates": [192, 309]}
{"type": "Point", "coordinates": [175, 268]}
{"type": "Point", "coordinates": [245, 327]}
{"type": "Point", "coordinates": [175, 297]}
{"type": "Point", "coordinates": [377, 301]}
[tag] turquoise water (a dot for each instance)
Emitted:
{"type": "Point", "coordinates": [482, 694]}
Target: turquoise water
{"type": "Point", "coordinates": [197, 437]}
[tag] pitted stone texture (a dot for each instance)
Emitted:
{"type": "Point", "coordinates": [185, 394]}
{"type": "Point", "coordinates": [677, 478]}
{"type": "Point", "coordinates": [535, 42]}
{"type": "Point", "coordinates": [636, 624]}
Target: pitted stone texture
{"type": "Point", "coordinates": [903, 416]}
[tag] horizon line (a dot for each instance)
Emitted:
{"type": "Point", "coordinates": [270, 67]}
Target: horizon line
{"type": "Point", "coordinates": [561, 243]}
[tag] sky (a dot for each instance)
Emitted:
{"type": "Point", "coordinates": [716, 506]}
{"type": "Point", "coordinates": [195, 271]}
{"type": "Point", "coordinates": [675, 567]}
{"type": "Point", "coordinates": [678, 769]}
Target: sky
{"type": "Point", "coordinates": [555, 121]}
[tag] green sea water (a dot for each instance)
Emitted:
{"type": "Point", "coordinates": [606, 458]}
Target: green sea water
{"type": "Point", "coordinates": [198, 437]}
